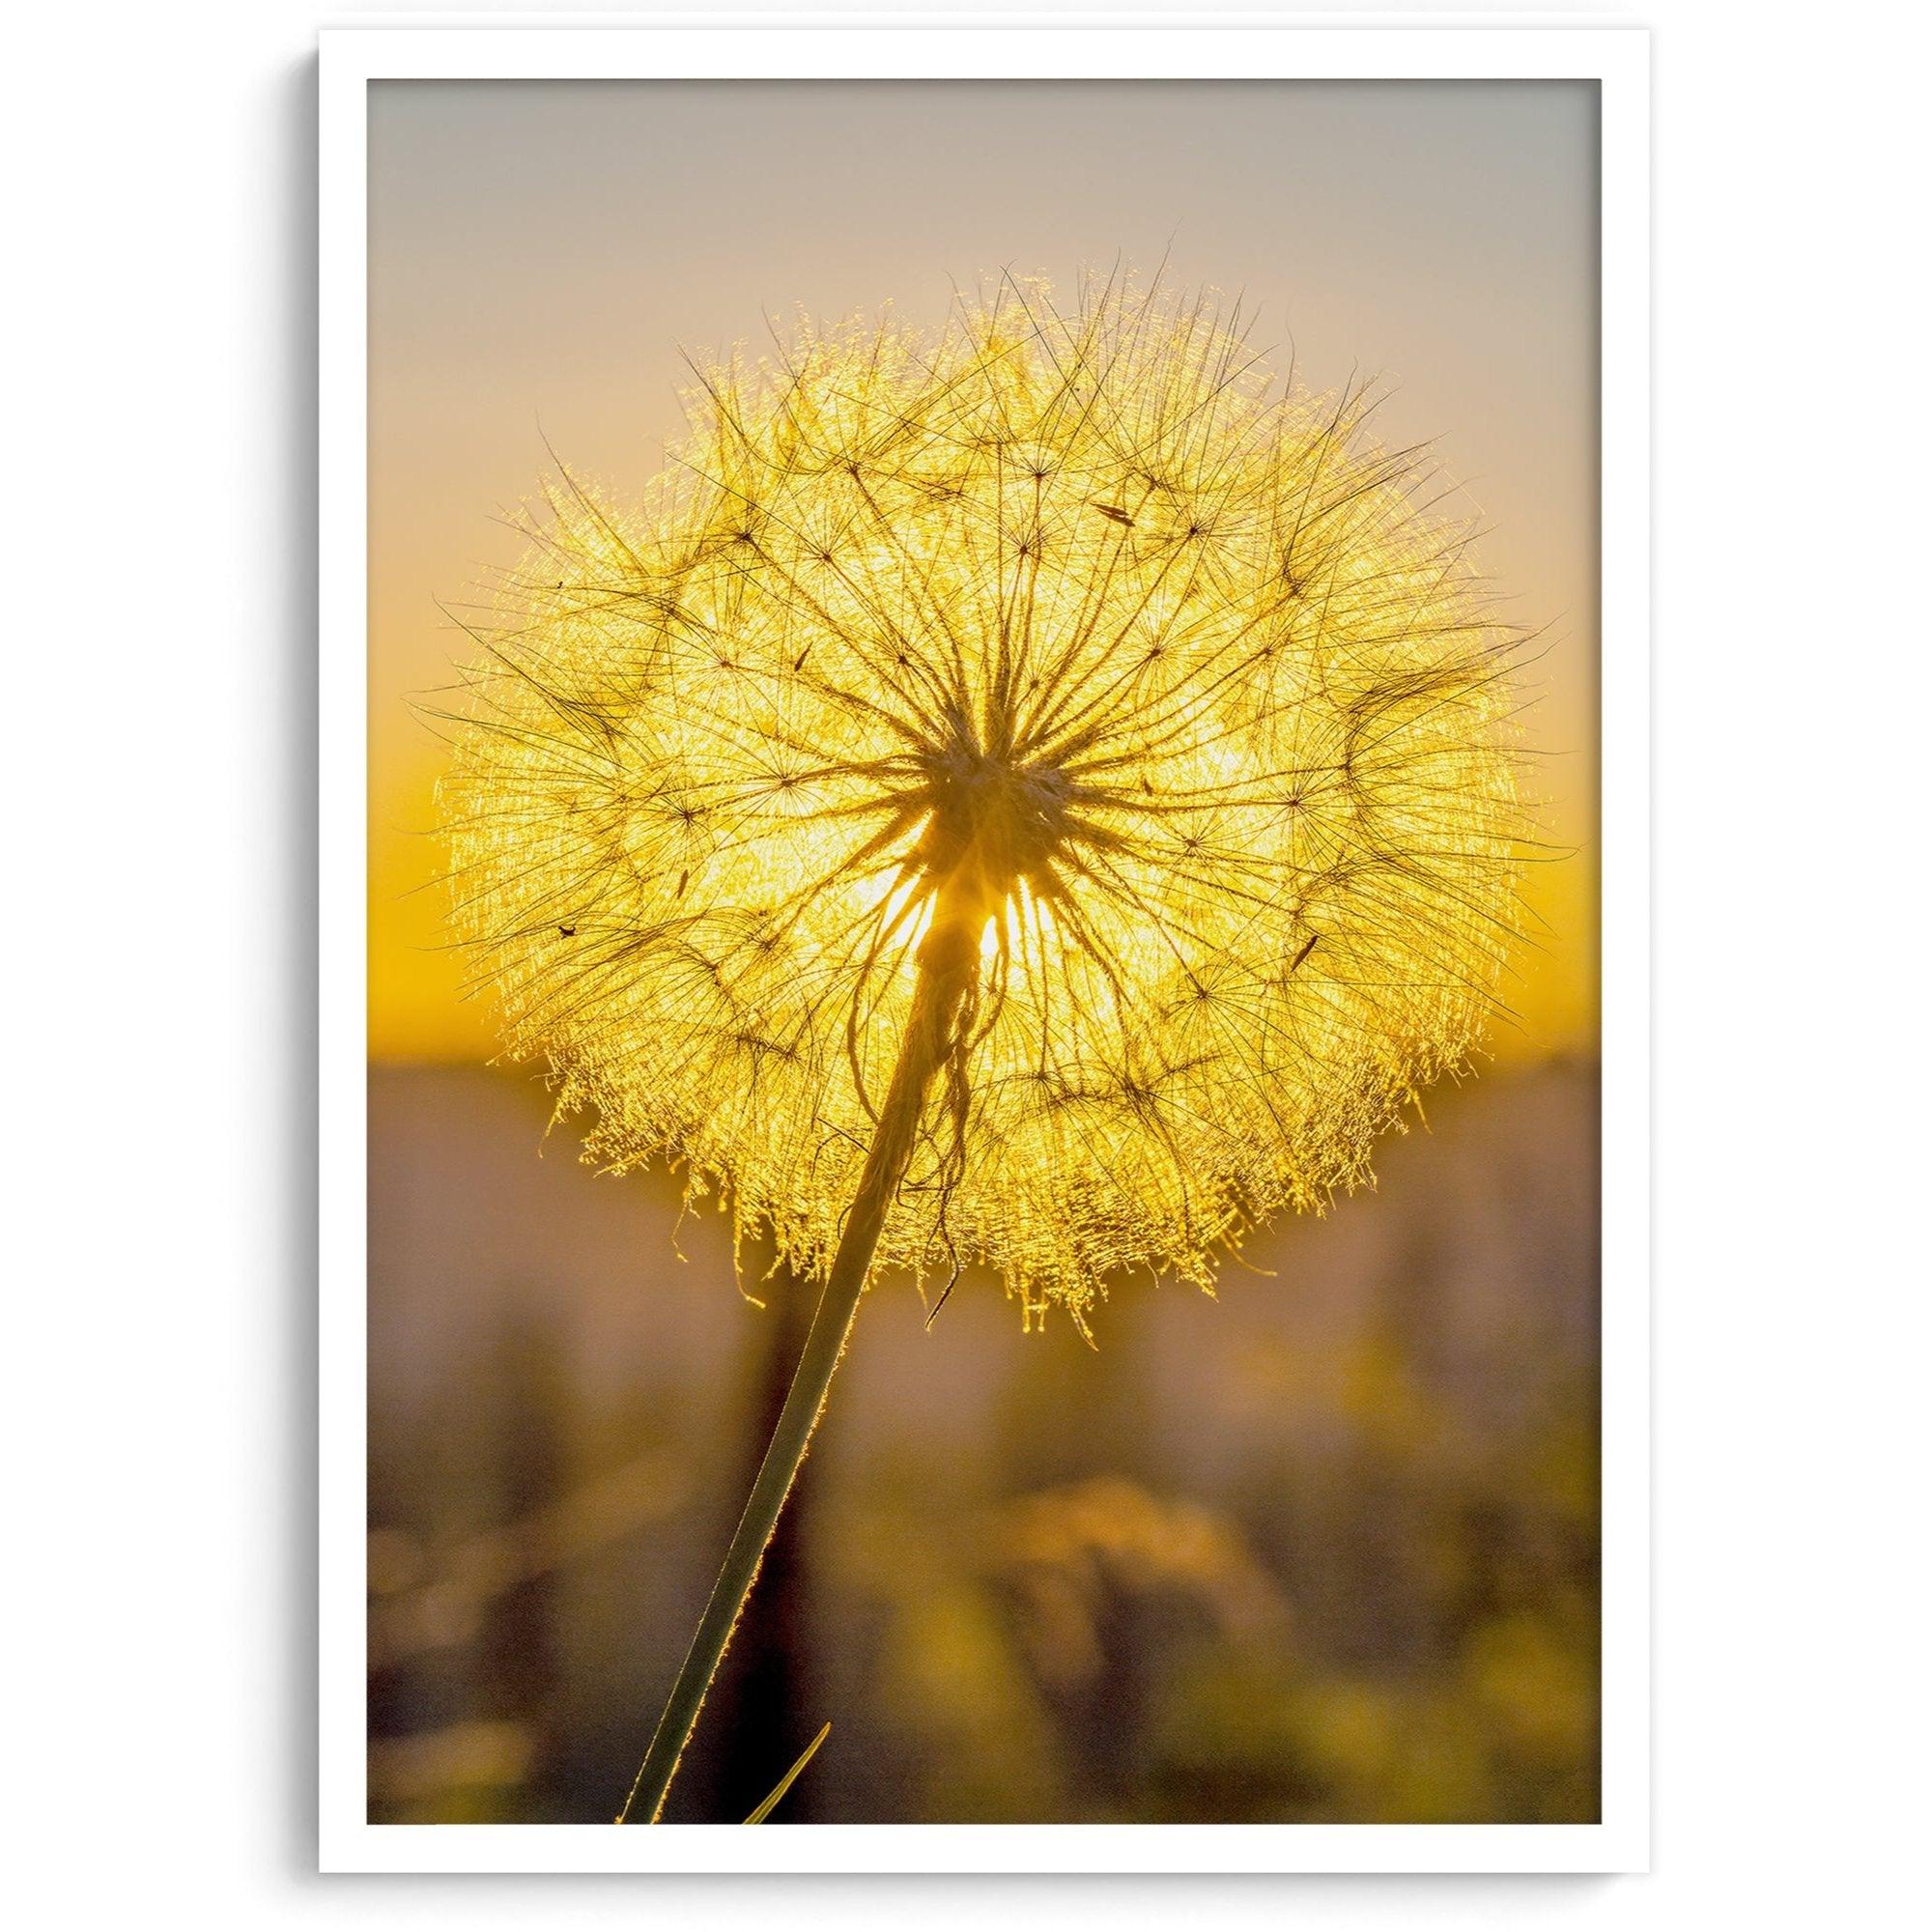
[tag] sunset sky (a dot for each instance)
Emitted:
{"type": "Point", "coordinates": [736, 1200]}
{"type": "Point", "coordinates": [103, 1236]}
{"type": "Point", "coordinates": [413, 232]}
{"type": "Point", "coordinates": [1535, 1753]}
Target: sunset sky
{"type": "Point", "coordinates": [543, 255]}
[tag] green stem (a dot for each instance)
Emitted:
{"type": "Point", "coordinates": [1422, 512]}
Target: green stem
{"type": "Point", "coordinates": [944, 960]}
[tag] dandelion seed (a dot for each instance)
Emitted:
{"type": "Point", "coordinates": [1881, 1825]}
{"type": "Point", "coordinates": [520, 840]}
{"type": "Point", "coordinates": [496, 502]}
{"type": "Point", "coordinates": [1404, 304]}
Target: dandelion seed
{"type": "Point", "coordinates": [870, 636]}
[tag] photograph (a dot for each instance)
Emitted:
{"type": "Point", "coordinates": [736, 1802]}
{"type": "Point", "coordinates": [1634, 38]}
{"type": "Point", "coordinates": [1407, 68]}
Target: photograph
{"type": "Point", "coordinates": [984, 1137]}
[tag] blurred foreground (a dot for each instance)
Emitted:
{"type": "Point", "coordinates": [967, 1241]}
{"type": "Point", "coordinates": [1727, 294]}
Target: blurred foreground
{"type": "Point", "coordinates": [1321, 1549]}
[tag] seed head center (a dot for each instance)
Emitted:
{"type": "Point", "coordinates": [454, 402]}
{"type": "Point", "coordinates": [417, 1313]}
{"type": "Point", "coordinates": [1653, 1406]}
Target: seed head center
{"type": "Point", "coordinates": [994, 822]}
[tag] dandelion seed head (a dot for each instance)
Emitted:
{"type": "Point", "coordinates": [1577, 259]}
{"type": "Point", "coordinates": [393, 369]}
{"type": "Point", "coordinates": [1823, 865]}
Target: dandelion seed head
{"type": "Point", "coordinates": [1168, 677]}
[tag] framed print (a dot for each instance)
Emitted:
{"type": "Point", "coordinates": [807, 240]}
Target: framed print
{"type": "Point", "coordinates": [984, 965]}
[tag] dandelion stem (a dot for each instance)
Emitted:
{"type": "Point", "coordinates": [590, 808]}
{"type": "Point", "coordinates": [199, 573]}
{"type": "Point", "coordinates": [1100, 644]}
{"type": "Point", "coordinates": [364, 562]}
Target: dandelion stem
{"type": "Point", "coordinates": [946, 961]}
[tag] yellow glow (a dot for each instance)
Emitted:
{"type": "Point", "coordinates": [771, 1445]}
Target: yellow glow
{"type": "Point", "coordinates": [1175, 666]}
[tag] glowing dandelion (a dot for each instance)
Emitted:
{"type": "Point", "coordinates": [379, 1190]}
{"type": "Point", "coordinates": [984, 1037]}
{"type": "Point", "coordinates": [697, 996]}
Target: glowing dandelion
{"type": "Point", "coordinates": [1037, 795]}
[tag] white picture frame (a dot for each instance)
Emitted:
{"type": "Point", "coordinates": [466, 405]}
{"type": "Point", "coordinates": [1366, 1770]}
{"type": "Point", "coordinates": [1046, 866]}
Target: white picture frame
{"type": "Point", "coordinates": [1040, 46]}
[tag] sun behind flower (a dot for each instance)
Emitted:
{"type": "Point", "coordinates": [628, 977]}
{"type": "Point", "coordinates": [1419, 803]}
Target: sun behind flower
{"type": "Point", "coordinates": [1164, 686]}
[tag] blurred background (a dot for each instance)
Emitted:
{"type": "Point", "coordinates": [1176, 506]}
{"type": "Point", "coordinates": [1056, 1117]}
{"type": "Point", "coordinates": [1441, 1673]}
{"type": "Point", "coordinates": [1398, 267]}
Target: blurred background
{"type": "Point", "coordinates": [1322, 1549]}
